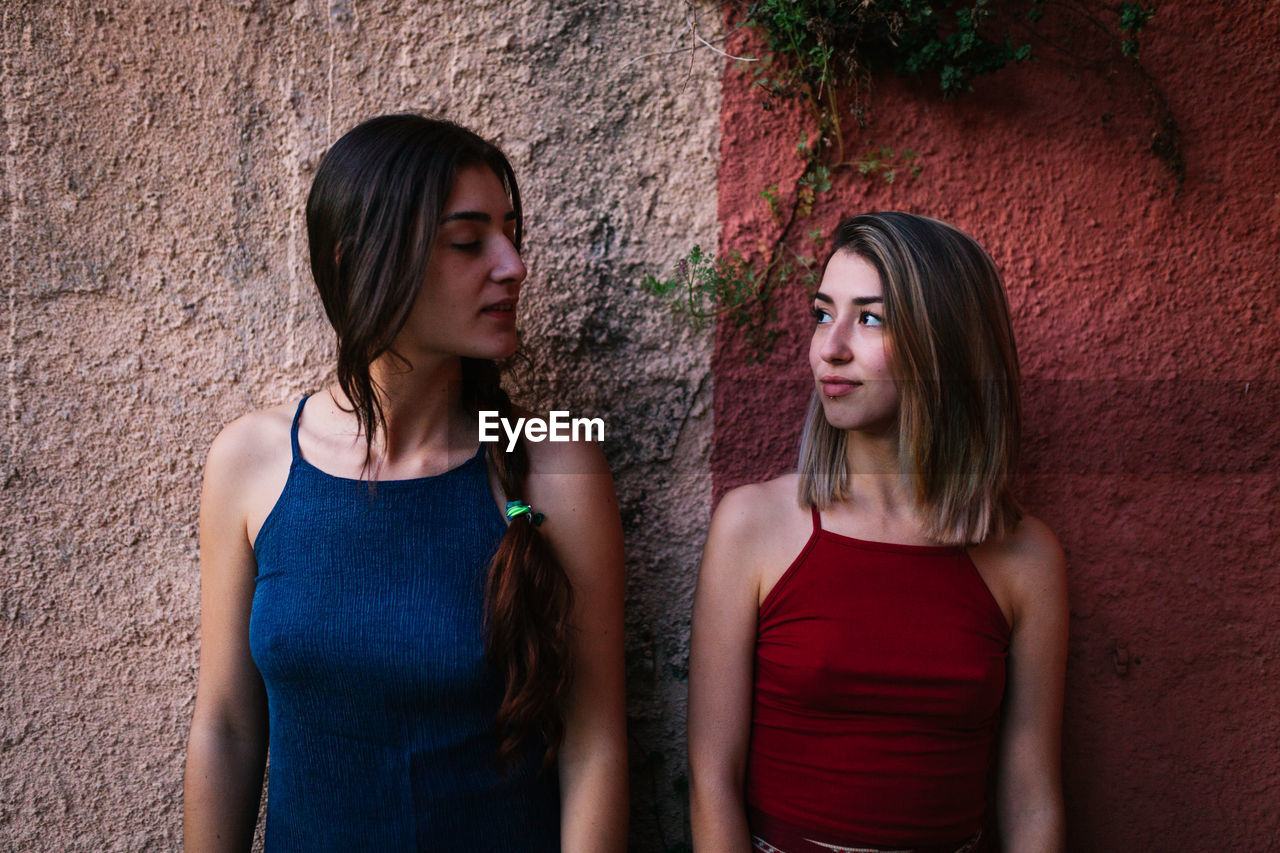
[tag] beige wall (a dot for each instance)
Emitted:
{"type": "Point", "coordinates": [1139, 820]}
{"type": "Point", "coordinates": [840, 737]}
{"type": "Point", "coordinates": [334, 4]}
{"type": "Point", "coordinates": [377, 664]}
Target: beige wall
{"type": "Point", "coordinates": [155, 160]}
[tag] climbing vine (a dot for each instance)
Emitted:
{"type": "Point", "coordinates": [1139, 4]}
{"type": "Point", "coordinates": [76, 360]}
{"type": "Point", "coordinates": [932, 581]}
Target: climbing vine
{"type": "Point", "coordinates": [823, 54]}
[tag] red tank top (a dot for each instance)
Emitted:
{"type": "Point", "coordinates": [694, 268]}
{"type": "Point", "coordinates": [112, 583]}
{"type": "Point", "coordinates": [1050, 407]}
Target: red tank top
{"type": "Point", "coordinates": [879, 675]}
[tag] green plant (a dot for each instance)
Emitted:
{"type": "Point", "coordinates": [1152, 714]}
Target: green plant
{"type": "Point", "coordinates": [823, 53]}
{"type": "Point", "coordinates": [887, 163]}
{"type": "Point", "coordinates": [705, 286]}
{"type": "Point", "coordinates": [819, 48]}
{"type": "Point", "coordinates": [1133, 20]}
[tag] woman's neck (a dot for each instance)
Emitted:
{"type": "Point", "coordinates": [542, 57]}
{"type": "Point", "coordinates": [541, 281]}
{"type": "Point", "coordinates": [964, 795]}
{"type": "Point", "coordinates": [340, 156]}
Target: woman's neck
{"type": "Point", "coordinates": [423, 414]}
{"type": "Point", "coordinates": [875, 475]}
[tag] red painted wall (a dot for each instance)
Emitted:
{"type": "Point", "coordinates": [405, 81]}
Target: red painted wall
{"type": "Point", "coordinates": [1148, 323]}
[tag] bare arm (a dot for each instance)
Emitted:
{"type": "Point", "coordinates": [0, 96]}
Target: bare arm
{"type": "Point", "coordinates": [722, 651]}
{"type": "Point", "coordinates": [227, 747]}
{"type": "Point", "coordinates": [572, 485]}
{"type": "Point", "coordinates": [1030, 775]}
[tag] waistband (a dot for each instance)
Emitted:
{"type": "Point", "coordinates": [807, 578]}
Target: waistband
{"type": "Point", "coordinates": [771, 835]}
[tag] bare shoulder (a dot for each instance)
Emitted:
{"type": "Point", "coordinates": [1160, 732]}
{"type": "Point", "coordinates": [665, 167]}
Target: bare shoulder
{"type": "Point", "coordinates": [252, 439]}
{"type": "Point", "coordinates": [247, 467]}
{"type": "Point", "coordinates": [758, 512]}
{"type": "Point", "coordinates": [565, 457]}
{"type": "Point", "coordinates": [1029, 550]}
{"type": "Point", "coordinates": [1025, 568]}
{"type": "Point", "coordinates": [570, 484]}
{"type": "Point", "coordinates": [756, 532]}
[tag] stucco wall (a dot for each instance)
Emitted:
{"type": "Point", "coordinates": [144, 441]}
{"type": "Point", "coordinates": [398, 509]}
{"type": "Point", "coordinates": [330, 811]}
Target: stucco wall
{"type": "Point", "coordinates": [155, 159]}
{"type": "Point", "coordinates": [154, 282]}
{"type": "Point", "coordinates": [1149, 330]}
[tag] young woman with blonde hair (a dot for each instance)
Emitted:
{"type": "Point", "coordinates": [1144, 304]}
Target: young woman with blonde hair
{"type": "Point", "coordinates": [877, 633]}
{"type": "Point", "coordinates": [426, 631]}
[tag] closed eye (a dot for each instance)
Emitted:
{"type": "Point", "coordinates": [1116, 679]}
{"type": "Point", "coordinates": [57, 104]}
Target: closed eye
{"type": "Point", "coordinates": [466, 247]}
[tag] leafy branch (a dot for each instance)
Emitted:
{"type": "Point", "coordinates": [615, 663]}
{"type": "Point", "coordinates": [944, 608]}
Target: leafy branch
{"type": "Point", "coordinates": [824, 52]}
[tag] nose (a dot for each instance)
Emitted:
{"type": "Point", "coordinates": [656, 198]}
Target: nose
{"type": "Point", "coordinates": [508, 266]}
{"type": "Point", "coordinates": [834, 347]}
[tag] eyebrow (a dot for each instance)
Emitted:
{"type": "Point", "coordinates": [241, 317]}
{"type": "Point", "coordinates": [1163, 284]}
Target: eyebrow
{"type": "Point", "coordinates": [476, 216]}
{"type": "Point", "coordinates": [857, 300]}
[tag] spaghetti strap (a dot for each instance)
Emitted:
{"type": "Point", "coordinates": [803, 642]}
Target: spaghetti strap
{"type": "Point", "coordinates": [817, 517]}
{"type": "Point", "coordinates": [293, 430]}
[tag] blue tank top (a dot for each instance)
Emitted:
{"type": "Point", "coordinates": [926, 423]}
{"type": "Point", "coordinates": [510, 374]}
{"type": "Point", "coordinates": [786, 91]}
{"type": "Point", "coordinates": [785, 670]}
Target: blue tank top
{"type": "Point", "coordinates": [367, 628]}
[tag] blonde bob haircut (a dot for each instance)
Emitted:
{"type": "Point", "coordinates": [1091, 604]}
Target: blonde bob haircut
{"type": "Point", "coordinates": [956, 368]}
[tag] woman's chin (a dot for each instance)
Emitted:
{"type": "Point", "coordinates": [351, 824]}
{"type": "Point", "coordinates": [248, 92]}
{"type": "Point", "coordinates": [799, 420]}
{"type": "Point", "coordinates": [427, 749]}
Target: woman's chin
{"type": "Point", "coordinates": [497, 350]}
{"type": "Point", "coordinates": [858, 422]}
{"type": "Point", "coordinates": [507, 348]}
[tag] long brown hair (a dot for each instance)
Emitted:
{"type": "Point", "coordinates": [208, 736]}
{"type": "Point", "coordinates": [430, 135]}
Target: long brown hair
{"type": "Point", "coordinates": [956, 364]}
{"type": "Point", "coordinates": [528, 595]}
{"type": "Point", "coordinates": [372, 214]}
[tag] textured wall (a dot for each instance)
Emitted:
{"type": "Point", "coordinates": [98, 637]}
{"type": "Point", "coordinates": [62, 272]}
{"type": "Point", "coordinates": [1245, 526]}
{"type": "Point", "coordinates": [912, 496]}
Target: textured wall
{"type": "Point", "coordinates": [1149, 330]}
{"type": "Point", "coordinates": [155, 161]}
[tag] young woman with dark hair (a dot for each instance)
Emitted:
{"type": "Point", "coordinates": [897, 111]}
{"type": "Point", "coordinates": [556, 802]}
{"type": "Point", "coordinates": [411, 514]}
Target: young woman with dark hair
{"type": "Point", "coordinates": [430, 670]}
{"type": "Point", "coordinates": [877, 633]}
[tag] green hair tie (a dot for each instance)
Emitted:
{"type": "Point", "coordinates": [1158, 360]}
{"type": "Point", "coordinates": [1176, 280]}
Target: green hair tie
{"type": "Point", "coordinates": [515, 508]}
